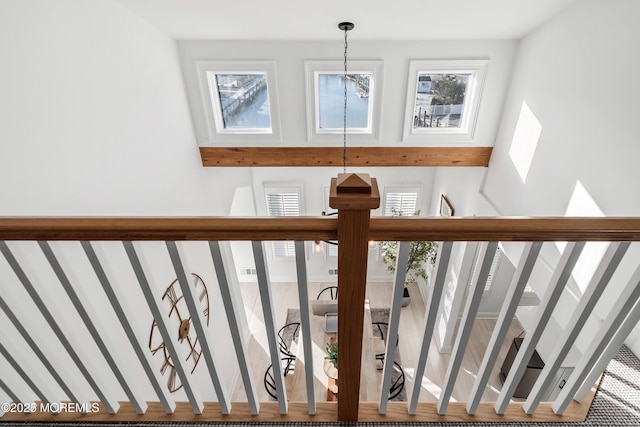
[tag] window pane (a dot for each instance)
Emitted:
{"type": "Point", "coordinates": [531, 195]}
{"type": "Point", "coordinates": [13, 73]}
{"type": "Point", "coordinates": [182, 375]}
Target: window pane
{"type": "Point", "coordinates": [331, 100]}
{"type": "Point", "coordinates": [244, 101]}
{"type": "Point", "coordinates": [440, 100]}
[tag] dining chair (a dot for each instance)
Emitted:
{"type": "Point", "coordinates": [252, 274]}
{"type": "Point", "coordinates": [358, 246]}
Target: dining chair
{"type": "Point", "coordinates": [286, 336]}
{"type": "Point", "coordinates": [332, 290]}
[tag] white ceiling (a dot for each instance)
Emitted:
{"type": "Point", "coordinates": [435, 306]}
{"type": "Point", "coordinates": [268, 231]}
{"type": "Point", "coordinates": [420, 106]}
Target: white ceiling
{"type": "Point", "coordinates": [374, 19]}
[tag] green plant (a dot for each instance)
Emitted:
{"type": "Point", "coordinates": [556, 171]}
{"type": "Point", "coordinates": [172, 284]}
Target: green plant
{"type": "Point", "coordinates": [332, 353]}
{"type": "Point", "coordinates": [419, 253]}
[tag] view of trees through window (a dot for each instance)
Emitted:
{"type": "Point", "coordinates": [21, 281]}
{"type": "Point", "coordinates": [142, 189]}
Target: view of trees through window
{"type": "Point", "coordinates": [440, 100]}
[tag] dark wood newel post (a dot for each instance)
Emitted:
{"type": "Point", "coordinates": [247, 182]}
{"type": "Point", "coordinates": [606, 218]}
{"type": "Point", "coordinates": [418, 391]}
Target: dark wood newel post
{"type": "Point", "coordinates": [354, 195]}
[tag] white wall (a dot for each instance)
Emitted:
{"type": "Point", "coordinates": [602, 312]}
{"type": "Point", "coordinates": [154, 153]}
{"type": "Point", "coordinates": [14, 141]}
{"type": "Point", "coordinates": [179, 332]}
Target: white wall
{"type": "Point", "coordinates": [576, 75]}
{"type": "Point", "coordinates": [94, 121]}
{"type": "Point", "coordinates": [94, 116]}
{"type": "Point", "coordinates": [461, 186]}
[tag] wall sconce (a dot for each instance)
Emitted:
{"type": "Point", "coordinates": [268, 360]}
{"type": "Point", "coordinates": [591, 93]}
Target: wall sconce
{"type": "Point", "coordinates": [373, 244]}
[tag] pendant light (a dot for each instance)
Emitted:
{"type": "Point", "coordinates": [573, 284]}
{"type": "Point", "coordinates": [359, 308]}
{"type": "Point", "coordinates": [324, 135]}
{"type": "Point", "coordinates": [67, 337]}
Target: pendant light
{"type": "Point", "coordinates": [346, 27]}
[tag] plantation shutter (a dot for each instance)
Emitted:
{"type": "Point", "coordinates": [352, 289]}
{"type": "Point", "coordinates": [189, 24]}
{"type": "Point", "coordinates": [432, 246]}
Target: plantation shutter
{"type": "Point", "coordinates": [492, 271]}
{"type": "Point", "coordinates": [283, 204]}
{"type": "Point", "coordinates": [404, 203]}
{"type": "Point", "coordinates": [494, 268]}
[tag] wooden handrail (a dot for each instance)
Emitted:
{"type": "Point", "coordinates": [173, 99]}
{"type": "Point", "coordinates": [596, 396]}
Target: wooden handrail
{"type": "Point", "coordinates": [176, 228]}
{"type": "Point", "coordinates": [505, 229]}
{"type": "Point", "coordinates": [320, 228]}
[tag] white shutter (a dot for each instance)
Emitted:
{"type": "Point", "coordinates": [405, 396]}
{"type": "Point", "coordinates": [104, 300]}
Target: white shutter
{"type": "Point", "coordinates": [281, 203]}
{"type": "Point", "coordinates": [332, 250]}
{"type": "Point", "coordinates": [492, 272]}
{"type": "Point", "coordinates": [405, 203]}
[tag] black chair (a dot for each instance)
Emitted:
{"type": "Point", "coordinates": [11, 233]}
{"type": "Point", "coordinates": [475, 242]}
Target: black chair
{"type": "Point", "coordinates": [288, 330]}
{"type": "Point", "coordinates": [270, 381]}
{"type": "Point", "coordinates": [383, 328]}
{"type": "Point", "coordinates": [398, 384]}
{"type": "Point", "coordinates": [333, 292]}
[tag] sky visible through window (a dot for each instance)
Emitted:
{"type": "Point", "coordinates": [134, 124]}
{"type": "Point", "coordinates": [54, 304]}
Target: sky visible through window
{"type": "Point", "coordinates": [331, 100]}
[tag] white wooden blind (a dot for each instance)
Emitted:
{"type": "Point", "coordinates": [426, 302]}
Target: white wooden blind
{"type": "Point", "coordinates": [497, 260]}
{"type": "Point", "coordinates": [405, 203]}
{"type": "Point", "coordinates": [280, 203]}
{"type": "Point", "coordinates": [332, 250]}
{"type": "Point", "coordinates": [495, 264]}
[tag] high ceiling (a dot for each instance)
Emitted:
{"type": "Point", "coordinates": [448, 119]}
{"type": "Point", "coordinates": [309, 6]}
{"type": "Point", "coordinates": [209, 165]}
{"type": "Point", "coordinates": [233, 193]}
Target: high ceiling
{"type": "Point", "coordinates": [374, 19]}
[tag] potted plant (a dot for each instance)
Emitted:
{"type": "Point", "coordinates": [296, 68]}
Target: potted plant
{"type": "Point", "coordinates": [331, 364]}
{"type": "Point", "coordinates": [332, 353]}
{"type": "Point", "coordinates": [419, 254]}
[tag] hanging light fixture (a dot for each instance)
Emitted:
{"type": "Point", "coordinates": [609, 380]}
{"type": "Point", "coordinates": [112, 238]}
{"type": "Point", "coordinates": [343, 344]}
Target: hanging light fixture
{"type": "Point", "coordinates": [346, 27]}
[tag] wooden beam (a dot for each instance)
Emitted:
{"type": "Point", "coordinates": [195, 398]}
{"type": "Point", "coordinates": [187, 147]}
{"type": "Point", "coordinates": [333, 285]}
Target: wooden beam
{"type": "Point", "coordinates": [354, 211]}
{"type": "Point", "coordinates": [356, 156]}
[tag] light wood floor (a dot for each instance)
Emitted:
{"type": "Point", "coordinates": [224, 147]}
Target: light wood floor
{"type": "Point", "coordinates": [285, 295]}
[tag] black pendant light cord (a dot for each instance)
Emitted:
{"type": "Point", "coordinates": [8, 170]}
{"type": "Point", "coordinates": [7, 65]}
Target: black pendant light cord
{"type": "Point", "coordinates": [345, 26]}
{"type": "Point", "coordinates": [344, 117]}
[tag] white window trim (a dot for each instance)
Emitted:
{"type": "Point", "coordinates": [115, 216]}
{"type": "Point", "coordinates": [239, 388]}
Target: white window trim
{"type": "Point", "coordinates": [466, 132]}
{"type": "Point", "coordinates": [313, 68]}
{"type": "Point", "coordinates": [282, 188]}
{"type": "Point", "coordinates": [211, 104]}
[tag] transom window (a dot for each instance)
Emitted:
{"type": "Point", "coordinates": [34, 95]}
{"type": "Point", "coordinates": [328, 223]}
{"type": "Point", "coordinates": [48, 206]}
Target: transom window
{"type": "Point", "coordinates": [240, 101]}
{"type": "Point", "coordinates": [325, 82]}
{"type": "Point", "coordinates": [439, 101]}
{"type": "Point", "coordinates": [330, 102]}
{"type": "Point", "coordinates": [243, 101]}
{"type": "Point", "coordinates": [443, 100]}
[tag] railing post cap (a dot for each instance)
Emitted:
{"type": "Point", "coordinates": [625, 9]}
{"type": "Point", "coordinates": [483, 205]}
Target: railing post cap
{"type": "Point", "coordinates": [353, 183]}
{"type": "Point", "coordinates": [354, 191]}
